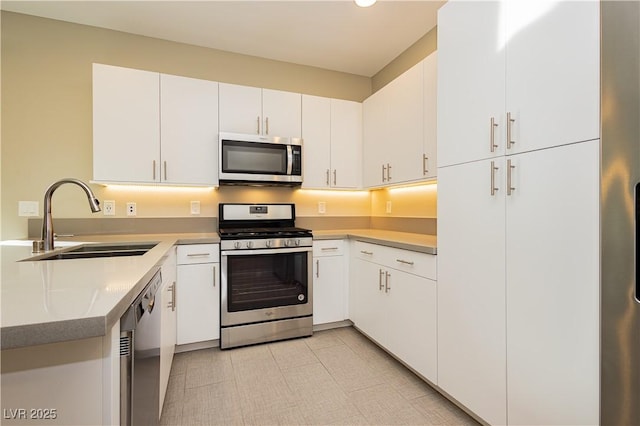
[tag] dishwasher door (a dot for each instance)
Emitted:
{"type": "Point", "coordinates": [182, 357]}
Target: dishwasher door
{"type": "Point", "coordinates": [140, 359]}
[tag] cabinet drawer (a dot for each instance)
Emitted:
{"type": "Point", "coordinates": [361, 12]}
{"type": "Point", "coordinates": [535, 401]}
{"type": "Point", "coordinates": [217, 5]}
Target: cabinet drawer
{"type": "Point", "coordinates": [328, 248]}
{"type": "Point", "coordinates": [421, 264]}
{"type": "Point", "coordinates": [198, 253]}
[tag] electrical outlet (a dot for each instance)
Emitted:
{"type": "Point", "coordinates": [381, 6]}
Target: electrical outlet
{"type": "Point", "coordinates": [388, 206]}
{"type": "Point", "coordinates": [109, 207]}
{"type": "Point", "coordinates": [322, 207]}
{"type": "Point", "coordinates": [195, 207]}
{"type": "Point", "coordinates": [131, 209]}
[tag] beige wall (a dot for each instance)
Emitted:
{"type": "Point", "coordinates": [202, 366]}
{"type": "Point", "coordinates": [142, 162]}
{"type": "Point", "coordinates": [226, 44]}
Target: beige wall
{"type": "Point", "coordinates": [47, 117]}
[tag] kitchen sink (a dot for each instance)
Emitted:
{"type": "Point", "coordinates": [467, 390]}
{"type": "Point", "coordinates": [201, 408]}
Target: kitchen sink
{"type": "Point", "coordinates": [101, 250]}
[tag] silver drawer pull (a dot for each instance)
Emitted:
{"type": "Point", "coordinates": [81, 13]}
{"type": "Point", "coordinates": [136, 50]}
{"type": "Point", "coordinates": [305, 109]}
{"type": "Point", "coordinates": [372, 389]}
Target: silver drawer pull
{"type": "Point", "coordinates": [328, 248]}
{"type": "Point", "coordinates": [406, 262]}
{"type": "Point", "coordinates": [198, 254]}
{"type": "Point", "coordinates": [366, 252]}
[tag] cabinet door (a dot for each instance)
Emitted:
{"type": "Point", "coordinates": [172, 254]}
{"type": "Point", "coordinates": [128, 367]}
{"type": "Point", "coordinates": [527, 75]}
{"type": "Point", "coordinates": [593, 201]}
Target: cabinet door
{"type": "Point", "coordinates": [553, 286]}
{"type": "Point", "coordinates": [403, 148]}
{"type": "Point", "coordinates": [471, 288]}
{"type": "Point", "coordinates": [374, 139]}
{"type": "Point", "coordinates": [346, 144]}
{"type": "Point", "coordinates": [126, 124]}
{"type": "Point", "coordinates": [329, 303]}
{"type": "Point", "coordinates": [553, 73]}
{"type": "Point", "coordinates": [240, 109]}
{"type": "Point", "coordinates": [198, 302]}
{"type": "Point", "coordinates": [411, 315]}
{"type": "Point", "coordinates": [369, 315]}
{"type": "Point", "coordinates": [430, 122]}
{"type": "Point", "coordinates": [471, 75]}
{"type": "Point", "coordinates": [189, 130]}
{"type": "Point", "coordinates": [281, 113]}
{"type": "Point", "coordinates": [316, 133]}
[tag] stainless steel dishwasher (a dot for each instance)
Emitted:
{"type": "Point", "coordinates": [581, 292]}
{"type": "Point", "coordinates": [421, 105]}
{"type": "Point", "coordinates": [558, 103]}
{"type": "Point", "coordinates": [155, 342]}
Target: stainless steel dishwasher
{"type": "Point", "coordinates": [140, 358]}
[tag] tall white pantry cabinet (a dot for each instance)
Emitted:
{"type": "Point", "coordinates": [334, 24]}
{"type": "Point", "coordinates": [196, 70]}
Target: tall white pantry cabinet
{"type": "Point", "coordinates": [518, 209]}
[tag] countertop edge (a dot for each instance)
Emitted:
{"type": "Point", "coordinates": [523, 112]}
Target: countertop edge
{"type": "Point", "coordinates": [390, 239]}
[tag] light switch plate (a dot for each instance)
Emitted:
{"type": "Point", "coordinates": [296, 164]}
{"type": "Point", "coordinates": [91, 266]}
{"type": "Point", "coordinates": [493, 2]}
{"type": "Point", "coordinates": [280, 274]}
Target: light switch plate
{"type": "Point", "coordinates": [388, 206]}
{"type": "Point", "coordinates": [322, 207]}
{"type": "Point", "coordinates": [28, 208]}
{"type": "Point", "coordinates": [195, 207]}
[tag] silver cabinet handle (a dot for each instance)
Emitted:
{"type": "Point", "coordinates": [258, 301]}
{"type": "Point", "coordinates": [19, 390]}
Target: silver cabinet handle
{"type": "Point", "coordinates": [510, 167]}
{"type": "Point", "coordinates": [387, 278]}
{"type": "Point", "coordinates": [493, 178]}
{"type": "Point", "coordinates": [198, 254]}
{"type": "Point", "coordinates": [329, 248]}
{"type": "Point", "coordinates": [509, 122]}
{"type": "Point", "coordinates": [492, 141]}
{"type": "Point", "coordinates": [328, 177]}
{"type": "Point", "coordinates": [266, 126]}
{"type": "Point", "coordinates": [172, 303]}
{"type": "Point", "coordinates": [317, 268]}
{"type": "Point", "coordinates": [165, 170]}
{"type": "Point", "coordinates": [258, 125]}
{"type": "Point", "coordinates": [384, 170]}
{"type": "Point", "coordinates": [335, 172]}
{"type": "Point", "coordinates": [154, 169]}
{"type": "Point", "coordinates": [380, 284]}
{"type": "Point", "coordinates": [214, 275]}
{"type": "Point", "coordinates": [406, 262]}
{"type": "Point", "coordinates": [425, 159]}
{"type": "Point", "coordinates": [366, 252]}
{"type": "Point", "coordinates": [388, 172]}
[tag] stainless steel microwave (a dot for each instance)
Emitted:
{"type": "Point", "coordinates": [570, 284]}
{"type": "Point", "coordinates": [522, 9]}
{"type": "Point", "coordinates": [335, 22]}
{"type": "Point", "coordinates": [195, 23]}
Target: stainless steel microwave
{"type": "Point", "coordinates": [255, 159]}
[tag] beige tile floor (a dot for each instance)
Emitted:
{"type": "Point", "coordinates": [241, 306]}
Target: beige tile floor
{"type": "Point", "coordinates": [335, 377]}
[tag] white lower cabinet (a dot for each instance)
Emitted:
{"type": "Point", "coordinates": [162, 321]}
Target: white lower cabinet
{"type": "Point", "coordinates": [168, 321]}
{"type": "Point", "coordinates": [198, 293]}
{"type": "Point", "coordinates": [330, 289]}
{"type": "Point", "coordinates": [395, 303]}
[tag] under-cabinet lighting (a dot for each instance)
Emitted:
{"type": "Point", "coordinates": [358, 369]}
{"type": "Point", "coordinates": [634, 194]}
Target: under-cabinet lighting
{"type": "Point", "coordinates": [159, 188]}
{"type": "Point", "coordinates": [422, 187]}
{"type": "Point", "coordinates": [333, 192]}
{"type": "Point", "coordinates": [365, 3]}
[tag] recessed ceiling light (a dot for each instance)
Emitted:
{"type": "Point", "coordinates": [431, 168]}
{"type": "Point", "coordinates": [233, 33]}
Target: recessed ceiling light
{"type": "Point", "coordinates": [365, 3]}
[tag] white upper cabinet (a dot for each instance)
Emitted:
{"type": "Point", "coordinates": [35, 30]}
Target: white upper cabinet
{"type": "Point", "coordinates": [252, 110]}
{"type": "Point", "coordinates": [189, 130]}
{"type": "Point", "coordinates": [346, 144]}
{"type": "Point", "coordinates": [471, 90]}
{"type": "Point", "coordinates": [399, 126]}
{"type": "Point", "coordinates": [553, 72]}
{"type": "Point", "coordinates": [153, 128]}
{"type": "Point", "coordinates": [332, 147]}
{"type": "Point", "coordinates": [430, 122]}
{"type": "Point", "coordinates": [126, 124]}
{"type": "Point", "coordinates": [516, 76]}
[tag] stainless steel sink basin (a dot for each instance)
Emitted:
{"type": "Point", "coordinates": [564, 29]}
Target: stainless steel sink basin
{"type": "Point", "coordinates": [101, 250]}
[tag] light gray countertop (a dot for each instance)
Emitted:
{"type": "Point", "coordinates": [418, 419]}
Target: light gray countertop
{"type": "Point", "coordinates": [417, 242]}
{"type": "Point", "coordinates": [59, 300]}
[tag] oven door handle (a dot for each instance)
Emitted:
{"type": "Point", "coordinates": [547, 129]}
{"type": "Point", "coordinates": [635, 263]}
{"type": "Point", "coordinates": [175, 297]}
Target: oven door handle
{"type": "Point", "coordinates": [266, 251]}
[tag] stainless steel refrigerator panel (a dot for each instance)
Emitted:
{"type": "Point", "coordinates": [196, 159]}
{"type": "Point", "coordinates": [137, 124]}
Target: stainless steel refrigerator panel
{"type": "Point", "coordinates": [620, 310]}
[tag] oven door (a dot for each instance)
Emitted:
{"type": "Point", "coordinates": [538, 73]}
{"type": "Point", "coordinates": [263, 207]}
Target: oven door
{"type": "Point", "coordinates": [265, 285]}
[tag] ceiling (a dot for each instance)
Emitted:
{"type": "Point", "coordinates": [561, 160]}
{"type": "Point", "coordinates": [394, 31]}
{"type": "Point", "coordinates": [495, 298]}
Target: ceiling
{"type": "Point", "coordinates": [335, 35]}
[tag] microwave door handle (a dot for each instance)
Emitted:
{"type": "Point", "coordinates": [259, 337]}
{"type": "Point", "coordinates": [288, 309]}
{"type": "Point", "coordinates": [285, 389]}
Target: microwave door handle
{"type": "Point", "coordinates": [289, 159]}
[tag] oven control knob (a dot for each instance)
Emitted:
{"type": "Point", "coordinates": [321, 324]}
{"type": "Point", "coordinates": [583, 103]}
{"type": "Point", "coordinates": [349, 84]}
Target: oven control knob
{"type": "Point", "coordinates": [287, 243]}
{"type": "Point", "coordinates": [249, 244]}
{"type": "Point", "coordinates": [236, 245]}
{"type": "Point", "coordinates": [297, 243]}
{"type": "Point", "coordinates": [269, 243]}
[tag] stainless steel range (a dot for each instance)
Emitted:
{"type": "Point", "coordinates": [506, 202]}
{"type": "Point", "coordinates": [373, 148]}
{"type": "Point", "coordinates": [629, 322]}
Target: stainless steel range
{"type": "Point", "coordinates": [266, 274]}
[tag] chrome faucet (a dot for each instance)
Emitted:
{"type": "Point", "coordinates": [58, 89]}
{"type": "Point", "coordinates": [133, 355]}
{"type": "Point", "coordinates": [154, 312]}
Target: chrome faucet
{"type": "Point", "coordinates": [47, 224]}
